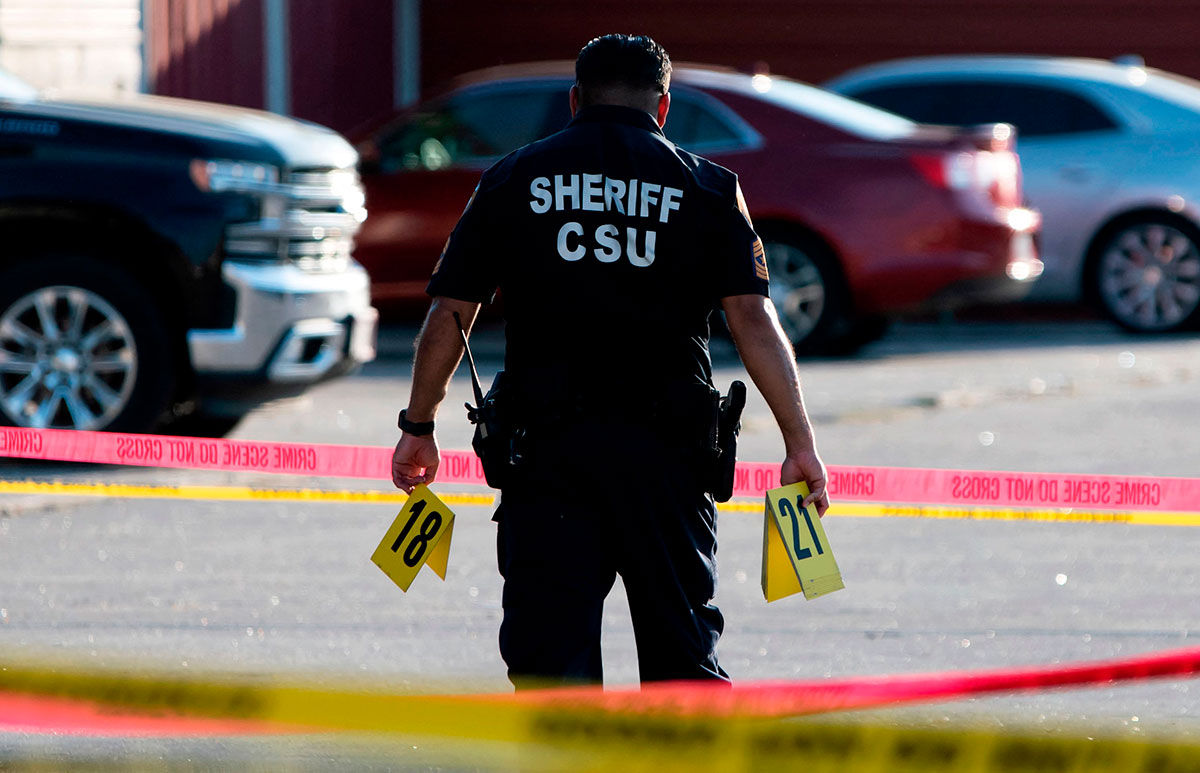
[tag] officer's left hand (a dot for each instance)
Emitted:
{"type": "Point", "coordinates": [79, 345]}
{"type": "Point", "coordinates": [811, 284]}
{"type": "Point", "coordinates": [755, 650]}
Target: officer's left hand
{"type": "Point", "coordinates": [415, 461]}
{"type": "Point", "coordinates": [806, 465]}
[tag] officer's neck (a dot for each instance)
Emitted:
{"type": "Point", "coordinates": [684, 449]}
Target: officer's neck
{"type": "Point", "coordinates": [655, 106]}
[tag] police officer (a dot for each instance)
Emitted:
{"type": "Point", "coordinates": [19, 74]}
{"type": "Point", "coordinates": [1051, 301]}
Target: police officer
{"type": "Point", "coordinates": [610, 246]}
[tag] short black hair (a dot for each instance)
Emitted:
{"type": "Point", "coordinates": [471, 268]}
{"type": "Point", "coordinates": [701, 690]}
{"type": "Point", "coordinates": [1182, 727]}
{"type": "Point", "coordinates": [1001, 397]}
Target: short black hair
{"type": "Point", "coordinates": [630, 61]}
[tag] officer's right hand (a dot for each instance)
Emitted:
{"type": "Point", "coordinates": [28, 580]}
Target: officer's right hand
{"type": "Point", "coordinates": [807, 466]}
{"type": "Point", "coordinates": [415, 461]}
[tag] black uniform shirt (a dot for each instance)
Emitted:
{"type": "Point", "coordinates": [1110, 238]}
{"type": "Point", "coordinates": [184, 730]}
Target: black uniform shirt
{"type": "Point", "coordinates": [610, 246]}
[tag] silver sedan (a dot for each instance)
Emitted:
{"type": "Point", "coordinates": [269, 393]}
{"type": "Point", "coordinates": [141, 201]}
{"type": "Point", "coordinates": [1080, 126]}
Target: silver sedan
{"type": "Point", "coordinates": [1111, 156]}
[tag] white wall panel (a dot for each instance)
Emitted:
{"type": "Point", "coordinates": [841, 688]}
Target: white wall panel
{"type": "Point", "coordinates": [92, 45]}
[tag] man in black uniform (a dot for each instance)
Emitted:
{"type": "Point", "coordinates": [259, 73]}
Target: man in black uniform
{"type": "Point", "coordinates": [611, 247]}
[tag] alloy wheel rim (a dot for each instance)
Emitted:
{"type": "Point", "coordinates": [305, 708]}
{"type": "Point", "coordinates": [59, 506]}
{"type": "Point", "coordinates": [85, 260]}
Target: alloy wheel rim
{"type": "Point", "coordinates": [797, 289]}
{"type": "Point", "coordinates": [1150, 276]}
{"type": "Point", "coordinates": [68, 360]}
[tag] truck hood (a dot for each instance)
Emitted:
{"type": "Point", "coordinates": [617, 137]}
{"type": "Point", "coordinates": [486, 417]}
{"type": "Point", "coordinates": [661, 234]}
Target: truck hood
{"type": "Point", "coordinates": [299, 144]}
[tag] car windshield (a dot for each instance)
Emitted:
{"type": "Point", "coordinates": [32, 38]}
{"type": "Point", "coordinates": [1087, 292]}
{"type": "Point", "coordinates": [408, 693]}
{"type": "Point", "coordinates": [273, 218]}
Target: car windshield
{"type": "Point", "coordinates": [13, 89]}
{"type": "Point", "coordinates": [834, 109]}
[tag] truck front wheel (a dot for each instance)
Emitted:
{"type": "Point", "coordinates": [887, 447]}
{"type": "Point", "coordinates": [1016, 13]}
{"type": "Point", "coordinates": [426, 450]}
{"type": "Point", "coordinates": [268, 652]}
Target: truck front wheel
{"type": "Point", "coordinates": [82, 346]}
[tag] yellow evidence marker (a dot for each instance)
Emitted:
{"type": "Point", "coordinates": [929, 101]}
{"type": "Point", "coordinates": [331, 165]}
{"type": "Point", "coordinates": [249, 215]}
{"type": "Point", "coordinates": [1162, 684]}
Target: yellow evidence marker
{"type": "Point", "coordinates": [420, 535]}
{"type": "Point", "coordinates": [796, 554]}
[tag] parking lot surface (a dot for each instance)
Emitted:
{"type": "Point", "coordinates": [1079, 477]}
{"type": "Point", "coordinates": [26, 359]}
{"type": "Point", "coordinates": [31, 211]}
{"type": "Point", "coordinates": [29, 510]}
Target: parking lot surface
{"type": "Point", "coordinates": [287, 587]}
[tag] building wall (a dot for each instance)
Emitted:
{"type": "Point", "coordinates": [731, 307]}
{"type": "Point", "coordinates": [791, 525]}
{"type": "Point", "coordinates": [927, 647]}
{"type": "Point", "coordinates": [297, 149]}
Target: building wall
{"type": "Point", "coordinates": [341, 60]}
{"type": "Point", "coordinates": [207, 49]}
{"type": "Point", "coordinates": [339, 55]}
{"type": "Point", "coordinates": [341, 52]}
{"type": "Point", "coordinates": [809, 39]}
{"type": "Point", "coordinates": [93, 45]}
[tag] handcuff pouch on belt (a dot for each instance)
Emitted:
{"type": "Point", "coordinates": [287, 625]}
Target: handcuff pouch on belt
{"type": "Point", "coordinates": [726, 426]}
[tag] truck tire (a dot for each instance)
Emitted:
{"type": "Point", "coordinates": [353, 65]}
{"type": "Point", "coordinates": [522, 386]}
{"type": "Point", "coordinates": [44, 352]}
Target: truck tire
{"type": "Point", "coordinates": [83, 345]}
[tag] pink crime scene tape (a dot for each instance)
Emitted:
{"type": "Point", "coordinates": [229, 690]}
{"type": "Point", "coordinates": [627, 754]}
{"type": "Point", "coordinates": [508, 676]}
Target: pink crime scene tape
{"type": "Point", "coordinates": [847, 483]}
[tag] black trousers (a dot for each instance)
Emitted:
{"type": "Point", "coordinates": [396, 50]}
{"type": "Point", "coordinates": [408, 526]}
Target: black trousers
{"type": "Point", "coordinates": [598, 498]}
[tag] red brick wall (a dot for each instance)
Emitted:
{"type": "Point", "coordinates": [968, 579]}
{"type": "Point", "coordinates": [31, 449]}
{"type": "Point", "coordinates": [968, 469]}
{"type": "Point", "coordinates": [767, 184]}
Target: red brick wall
{"type": "Point", "coordinates": [207, 49]}
{"type": "Point", "coordinates": [341, 50]}
{"type": "Point", "coordinates": [809, 40]}
{"type": "Point", "coordinates": [341, 53]}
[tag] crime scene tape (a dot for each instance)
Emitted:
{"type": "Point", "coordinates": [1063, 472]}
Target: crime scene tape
{"type": "Point", "coordinates": [752, 479]}
{"type": "Point", "coordinates": [346, 496]}
{"type": "Point", "coordinates": [688, 722]}
{"type": "Point", "coordinates": [580, 742]}
{"type": "Point", "coordinates": [226, 493]}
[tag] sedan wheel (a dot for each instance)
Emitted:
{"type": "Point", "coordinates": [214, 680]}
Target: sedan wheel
{"type": "Point", "coordinates": [797, 288]}
{"type": "Point", "coordinates": [68, 360]}
{"type": "Point", "coordinates": [810, 294]}
{"type": "Point", "coordinates": [1148, 277]}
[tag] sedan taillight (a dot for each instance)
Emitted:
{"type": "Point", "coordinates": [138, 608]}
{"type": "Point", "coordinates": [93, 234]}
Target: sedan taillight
{"type": "Point", "coordinates": [984, 169]}
{"type": "Point", "coordinates": [994, 175]}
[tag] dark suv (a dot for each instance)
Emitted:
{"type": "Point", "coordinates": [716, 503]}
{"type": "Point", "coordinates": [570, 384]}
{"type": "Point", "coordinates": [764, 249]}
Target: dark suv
{"type": "Point", "coordinates": [169, 264]}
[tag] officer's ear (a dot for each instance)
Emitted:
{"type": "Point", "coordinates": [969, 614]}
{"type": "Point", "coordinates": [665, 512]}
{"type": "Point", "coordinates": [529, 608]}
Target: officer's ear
{"type": "Point", "coordinates": [574, 100]}
{"type": "Point", "coordinates": [664, 105]}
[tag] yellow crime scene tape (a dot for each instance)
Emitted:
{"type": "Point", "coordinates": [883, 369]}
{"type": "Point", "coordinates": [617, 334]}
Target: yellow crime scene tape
{"type": "Point", "coordinates": [842, 509]}
{"type": "Point", "coordinates": [227, 493]}
{"type": "Point", "coordinates": [598, 738]}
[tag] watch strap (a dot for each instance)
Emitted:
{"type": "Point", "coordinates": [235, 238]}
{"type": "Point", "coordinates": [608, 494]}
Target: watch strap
{"type": "Point", "coordinates": [414, 427]}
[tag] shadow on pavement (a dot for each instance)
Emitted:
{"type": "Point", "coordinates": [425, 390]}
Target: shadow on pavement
{"type": "Point", "coordinates": [1000, 328]}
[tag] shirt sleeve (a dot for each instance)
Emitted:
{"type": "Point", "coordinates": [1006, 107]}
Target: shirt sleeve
{"type": "Point", "coordinates": [741, 262]}
{"type": "Point", "coordinates": [468, 269]}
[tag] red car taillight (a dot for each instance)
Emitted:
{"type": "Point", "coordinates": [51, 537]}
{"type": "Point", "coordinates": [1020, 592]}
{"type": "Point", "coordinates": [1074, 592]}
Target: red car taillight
{"type": "Point", "coordinates": [991, 176]}
{"type": "Point", "coordinates": [983, 172]}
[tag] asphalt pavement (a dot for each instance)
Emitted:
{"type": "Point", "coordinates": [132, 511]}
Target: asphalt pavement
{"type": "Point", "coordinates": [286, 587]}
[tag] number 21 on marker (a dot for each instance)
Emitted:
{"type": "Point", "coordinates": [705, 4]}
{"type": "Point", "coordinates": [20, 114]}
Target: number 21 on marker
{"type": "Point", "coordinates": [796, 553]}
{"type": "Point", "coordinates": [419, 535]}
{"type": "Point", "coordinates": [787, 511]}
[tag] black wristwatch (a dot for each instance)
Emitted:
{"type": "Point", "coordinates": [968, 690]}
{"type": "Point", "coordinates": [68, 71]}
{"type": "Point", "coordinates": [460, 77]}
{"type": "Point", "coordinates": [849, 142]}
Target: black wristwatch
{"type": "Point", "coordinates": [414, 427]}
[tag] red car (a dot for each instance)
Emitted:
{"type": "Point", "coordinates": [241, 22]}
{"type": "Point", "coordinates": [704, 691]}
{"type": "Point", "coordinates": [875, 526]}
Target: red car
{"type": "Point", "coordinates": [864, 214]}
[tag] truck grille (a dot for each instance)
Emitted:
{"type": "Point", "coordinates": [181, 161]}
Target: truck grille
{"type": "Point", "coordinates": [309, 219]}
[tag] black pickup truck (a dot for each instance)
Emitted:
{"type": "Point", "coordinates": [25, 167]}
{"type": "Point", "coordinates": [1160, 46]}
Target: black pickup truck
{"type": "Point", "coordinates": [165, 265]}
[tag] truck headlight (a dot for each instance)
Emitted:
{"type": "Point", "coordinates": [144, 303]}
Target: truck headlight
{"type": "Point", "coordinates": [239, 176]}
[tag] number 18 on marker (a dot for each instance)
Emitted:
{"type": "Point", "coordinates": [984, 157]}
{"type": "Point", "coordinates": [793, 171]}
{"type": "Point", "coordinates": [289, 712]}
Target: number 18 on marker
{"type": "Point", "coordinates": [419, 535]}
